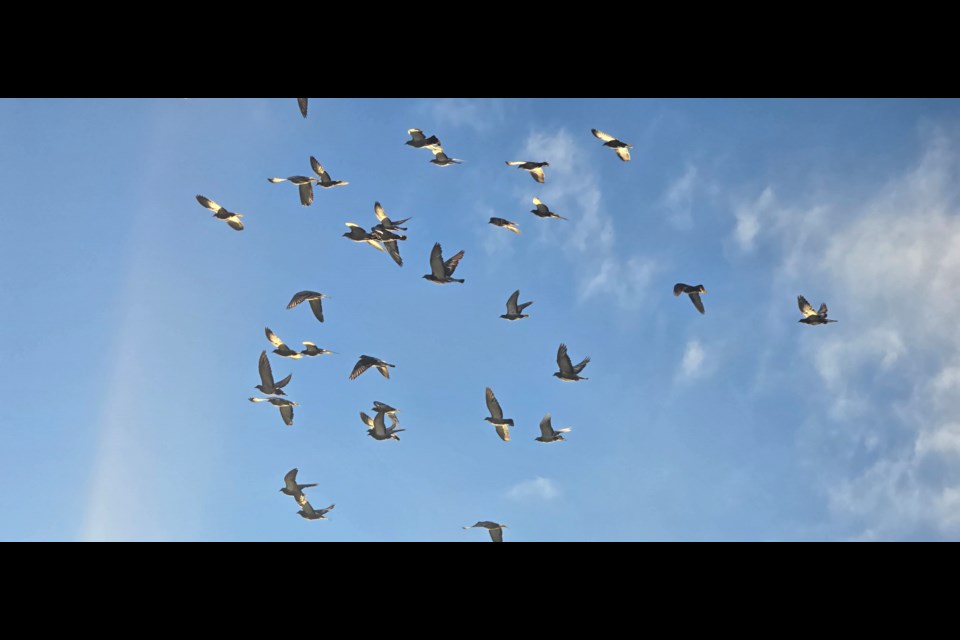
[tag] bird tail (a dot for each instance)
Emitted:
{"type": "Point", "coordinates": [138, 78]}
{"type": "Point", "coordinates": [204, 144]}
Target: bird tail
{"type": "Point", "coordinates": [305, 486]}
{"type": "Point", "coordinates": [460, 280]}
{"type": "Point", "coordinates": [564, 430]}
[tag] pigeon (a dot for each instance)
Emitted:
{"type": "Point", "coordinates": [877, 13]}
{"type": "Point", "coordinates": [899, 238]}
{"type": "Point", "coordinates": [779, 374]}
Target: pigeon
{"type": "Point", "coordinates": [365, 362]}
{"type": "Point", "coordinates": [442, 160]}
{"type": "Point", "coordinates": [386, 223]}
{"type": "Point", "coordinates": [694, 293]}
{"type": "Point", "coordinates": [535, 168]}
{"type": "Point", "coordinates": [418, 141]}
{"type": "Point", "coordinates": [547, 434]}
{"type": "Point", "coordinates": [496, 416]}
{"type": "Point", "coordinates": [231, 218]}
{"type": "Point", "coordinates": [302, 103]}
{"type": "Point", "coordinates": [568, 372]}
{"type": "Point", "coordinates": [543, 210]}
{"type": "Point", "coordinates": [496, 530]}
{"type": "Point", "coordinates": [809, 315]}
{"type": "Point", "coordinates": [281, 348]}
{"type": "Point", "coordinates": [378, 430]}
{"type": "Point", "coordinates": [314, 350]}
{"type": "Point", "coordinates": [286, 407]}
{"type": "Point", "coordinates": [441, 271]}
{"type": "Point", "coordinates": [385, 408]}
{"type": "Point", "coordinates": [315, 302]}
{"type": "Point", "coordinates": [357, 234]}
{"type": "Point", "coordinates": [514, 311]}
{"type": "Point", "coordinates": [325, 180]}
{"type": "Point", "coordinates": [505, 224]}
{"type": "Point", "coordinates": [291, 488]}
{"type": "Point", "coordinates": [267, 385]}
{"type": "Point", "coordinates": [309, 513]}
{"type": "Point", "coordinates": [622, 148]}
{"type": "Point", "coordinates": [304, 183]}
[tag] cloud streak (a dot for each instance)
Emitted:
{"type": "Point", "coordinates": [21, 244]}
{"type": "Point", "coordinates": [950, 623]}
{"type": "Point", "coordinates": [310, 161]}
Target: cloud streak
{"type": "Point", "coordinates": [542, 489]}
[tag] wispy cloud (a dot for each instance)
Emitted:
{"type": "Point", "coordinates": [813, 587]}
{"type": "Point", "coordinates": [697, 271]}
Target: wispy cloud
{"type": "Point", "coordinates": [678, 199]}
{"type": "Point", "coordinates": [480, 114]}
{"type": "Point", "coordinates": [536, 489]}
{"type": "Point", "coordinates": [692, 366]}
{"type": "Point", "coordinates": [750, 217]}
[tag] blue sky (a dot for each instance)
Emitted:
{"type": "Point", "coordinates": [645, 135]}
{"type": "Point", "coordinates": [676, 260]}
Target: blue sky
{"type": "Point", "coordinates": [134, 320]}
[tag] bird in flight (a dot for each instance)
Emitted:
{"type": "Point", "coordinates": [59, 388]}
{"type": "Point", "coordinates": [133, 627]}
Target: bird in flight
{"type": "Point", "coordinates": [309, 513]}
{"type": "Point", "coordinates": [496, 530]}
{"type": "Point", "coordinates": [622, 148]}
{"type": "Point", "coordinates": [568, 372]}
{"type": "Point", "coordinates": [315, 302]}
{"type": "Point", "coordinates": [314, 350]}
{"type": "Point", "coordinates": [267, 386]}
{"type": "Point", "coordinates": [231, 218]}
{"type": "Point", "coordinates": [386, 224]}
{"type": "Point", "coordinates": [378, 430]}
{"type": "Point", "coordinates": [496, 416]}
{"type": "Point", "coordinates": [357, 234]}
{"type": "Point", "coordinates": [694, 293]}
{"type": "Point", "coordinates": [325, 180]}
{"type": "Point", "coordinates": [281, 349]}
{"type": "Point", "coordinates": [304, 184]}
{"type": "Point", "coordinates": [441, 159]}
{"type": "Point", "coordinates": [505, 224]}
{"type": "Point", "coordinates": [302, 103]}
{"type": "Point", "coordinates": [419, 141]}
{"type": "Point", "coordinates": [547, 434]}
{"type": "Point", "coordinates": [515, 311]}
{"type": "Point", "coordinates": [543, 211]}
{"type": "Point", "coordinates": [535, 168]}
{"type": "Point", "coordinates": [809, 315]}
{"type": "Point", "coordinates": [441, 272]}
{"type": "Point", "coordinates": [286, 407]}
{"type": "Point", "coordinates": [291, 488]}
{"type": "Point", "coordinates": [365, 362]}
{"type": "Point", "coordinates": [387, 409]}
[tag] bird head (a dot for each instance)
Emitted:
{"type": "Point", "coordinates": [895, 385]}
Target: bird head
{"type": "Point", "coordinates": [559, 437]}
{"type": "Point", "coordinates": [546, 164]}
{"type": "Point", "coordinates": [426, 277]}
{"type": "Point", "coordinates": [557, 374]}
{"type": "Point", "coordinates": [701, 289]}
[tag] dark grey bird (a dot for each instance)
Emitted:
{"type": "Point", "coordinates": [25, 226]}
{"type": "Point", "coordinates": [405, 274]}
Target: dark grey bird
{"type": "Point", "coordinates": [505, 224]}
{"type": "Point", "coordinates": [496, 416]}
{"type": "Point", "coordinates": [378, 430]}
{"type": "Point", "coordinates": [809, 315]}
{"type": "Point", "coordinates": [568, 372]}
{"type": "Point", "coordinates": [693, 292]}
{"type": "Point", "coordinates": [419, 141]}
{"type": "Point", "coordinates": [325, 180]}
{"type": "Point", "coordinates": [286, 407]}
{"type": "Point", "coordinates": [535, 168]}
{"type": "Point", "coordinates": [547, 434]}
{"type": "Point", "coordinates": [313, 297]}
{"type": "Point", "coordinates": [220, 213]}
{"type": "Point", "coordinates": [622, 148]}
{"type": "Point", "coordinates": [267, 385]}
{"type": "Point", "coordinates": [543, 210]}
{"type": "Point", "coordinates": [441, 271]}
{"type": "Point", "coordinates": [309, 513]}
{"type": "Point", "coordinates": [385, 235]}
{"type": "Point", "coordinates": [393, 249]}
{"type": "Point", "coordinates": [386, 223]}
{"type": "Point", "coordinates": [515, 311]}
{"type": "Point", "coordinates": [496, 530]}
{"type": "Point", "coordinates": [291, 488]}
{"type": "Point", "coordinates": [357, 234]}
{"type": "Point", "coordinates": [304, 184]}
{"type": "Point", "coordinates": [367, 420]}
{"type": "Point", "coordinates": [281, 348]}
{"type": "Point", "coordinates": [314, 350]}
{"type": "Point", "coordinates": [441, 159]}
{"type": "Point", "coordinates": [385, 408]}
{"type": "Point", "coordinates": [365, 362]}
{"type": "Point", "coordinates": [302, 103]}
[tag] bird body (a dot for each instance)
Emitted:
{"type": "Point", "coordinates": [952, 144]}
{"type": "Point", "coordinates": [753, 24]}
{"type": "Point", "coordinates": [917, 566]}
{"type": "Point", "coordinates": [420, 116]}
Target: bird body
{"type": "Point", "coordinates": [220, 213]}
{"type": "Point", "coordinates": [548, 434]}
{"type": "Point", "coordinates": [357, 234]}
{"type": "Point", "coordinates": [441, 272]}
{"type": "Point", "coordinates": [281, 348]}
{"type": "Point", "coordinates": [314, 350]}
{"type": "Point", "coordinates": [309, 513]}
{"type": "Point", "coordinates": [568, 372]}
{"type": "Point", "coordinates": [442, 160]}
{"type": "Point", "coordinates": [809, 315]}
{"type": "Point", "coordinates": [291, 488]}
{"type": "Point", "coordinates": [495, 529]}
{"type": "Point", "coordinates": [693, 292]}
{"type": "Point", "coordinates": [419, 141]}
{"type": "Point", "coordinates": [365, 362]}
{"type": "Point", "coordinates": [622, 148]}
{"type": "Point", "coordinates": [515, 311]}
{"type": "Point", "coordinates": [543, 211]}
{"type": "Point", "coordinates": [535, 168]}
{"type": "Point", "coordinates": [505, 224]}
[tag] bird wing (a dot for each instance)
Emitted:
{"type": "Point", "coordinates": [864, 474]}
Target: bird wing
{"type": "Point", "coordinates": [537, 174]}
{"type": "Point", "coordinates": [583, 363]}
{"type": "Point", "coordinates": [318, 169]}
{"type": "Point", "coordinates": [272, 337]}
{"type": "Point", "coordinates": [286, 412]}
{"type": "Point", "coordinates": [416, 134]}
{"type": "Point", "coordinates": [327, 510]}
{"type": "Point", "coordinates": [805, 307]}
{"type": "Point", "coordinates": [235, 223]}
{"type": "Point", "coordinates": [362, 365]}
{"type": "Point", "coordinates": [524, 306]}
{"type": "Point", "coordinates": [493, 406]}
{"type": "Point", "coordinates": [697, 302]}
{"type": "Point", "coordinates": [546, 428]}
{"type": "Point", "coordinates": [512, 303]}
{"type": "Point", "coordinates": [384, 371]}
{"type": "Point", "coordinates": [623, 152]}
{"type": "Point", "coordinates": [209, 204]}
{"type": "Point", "coordinates": [394, 250]}
{"type": "Point", "coordinates": [515, 163]}
{"type": "Point", "coordinates": [540, 206]}
{"type": "Point", "coordinates": [606, 137]}
{"type": "Point", "coordinates": [496, 534]}
{"type": "Point", "coordinates": [306, 193]}
{"type": "Point", "coordinates": [302, 103]}
{"type": "Point", "coordinates": [451, 265]}
{"type": "Point", "coordinates": [266, 373]}
{"type": "Point", "coordinates": [367, 420]}
{"type": "Point", "coordinates": [563, 361]}
{"type": "Point", "coordinates": [290, 480]}
{"type": "Point", "coordinates": [679, 288]}
{"type": "Point", "coordinates": [822, 312]}
{"type": "Point", "coordinates": [300, 297]}
{"type": "Point", "coordinates": [379, 427]}
{"type": "Point", "coordinates": [503, 431]}
{"type": "Point", "coordinates": [436, 262]}
{"type": "Point", "coordinates": [379, 212]}
{"type": "Point", "coordinates": [317, 305]}
{"type": "Point", "coordinates": [438, 154]}
{"type": "Point", "coordinates": [284, 382]}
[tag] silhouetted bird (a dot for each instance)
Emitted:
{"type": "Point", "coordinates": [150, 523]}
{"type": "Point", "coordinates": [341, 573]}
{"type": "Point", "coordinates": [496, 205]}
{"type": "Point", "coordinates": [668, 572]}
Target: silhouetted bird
{"type": "Point", "coordinates": [809, 315]}
{"type": "Point", "coordinates": [496, 416]}
{"type": "Point", "coordinates": [496, 530]}
{"type": "Point", "coordinates": [315, 302]}
{"type": "Point", "coordinates": [622, 148]}
{"type": "Point", "coordinates": [543, 211]}
{"type": "Point", "coordinates": [291, 488]}
{"type": "Point", "coordinates": [302, 103]}
{"type": "Point", "coordinates": [281, 348]}
{"type": "Point", "coordinates": [286, 407]}
{"type": "Point", "coordinates": [418, 141]}
{"type": "Point", "coordinates": [694, 293]}
{"type": "Point", "coordinates": [385, 222]}
{"type": "Point", "coordinates": [441, 271]}
{"type": "Point", "coordinates": [515, 312]}
{"type": "Point", "coordinates": [309, 513]}
{"type": "Point", "coordinates": [535, 168]}
{"type": "Point", "coordinates": [378, 430]}
{"type": "Point", "coordinates": [325, 180]}
{"type": "Point", "coordinates": [365, 362]}
{"type": "Point", "coordinates": [442, 160]}
{"type": "Point", "coordinates": [547, 434]}
{"type": "Point", "coordinates": [304, 184]}
{"type": "Point", "coordinates": [314, 350]}
{"type": "Point", "coordinates": [505, 224]}
{"type": "Point", "coordinates": [568, 372]}
{"type": "Point", "coordinates": [357, 234]}
{"type": "Point", "coordinates": [231, 218]}
{"type": "Point", "coordinates": [267, 385]}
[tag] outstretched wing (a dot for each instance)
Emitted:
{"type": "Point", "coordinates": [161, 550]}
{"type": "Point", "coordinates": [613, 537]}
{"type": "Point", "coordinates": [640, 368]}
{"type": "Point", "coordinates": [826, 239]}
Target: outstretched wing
{"type": "Point", "coordinates": [384, 371]}
{"type": "Point", "coordinates": [512, 303]}
{"type": "Point", "coordinates": [316, 304]}
{"type": "Point", "coordinates": [805, 307]}
{"type": "Point", "coordinates": [302, 103]}
{"type": "Point", "coordinates": [209, 204]}
{"type": "Point", "coordinates": [497, 534]}
{"type": "Point", "coordinates": [503, 431]}
{"type": "Point", "coordinates": [583, 363]}
{"type": "Point", "coordinates": [306, 193]}
{"type": "Point", "coordinates": [540, 206]}
{"type": "Point", "coordinates": [284, 382]}
{"type": "Point", "coordinates": [606, 137]}
{"type": "Point", "coordinates": [493, 406]}
{"type": "Point", "coordinates": [524, 306]}
{"type": "Point", "coordinates": [697, 302]}
{"type": "Point", "coordinates": [367, 420]}
{"type": "Point", "coordinates": [451, 265]}
{"type": "Point", "coordinates": [286, 412]}
{"type": "Point", "coordinates": [379, 427]}
{"type": "Point", "coordinates": [537, 174]}
{"type": "Point", "coordinates": [272, 337]}
{"type": "Point", "coordinates": [318, 169]}
{"type": "Point", "coordinates": [436, 262]}
{"type": "Point", "coordinates": [623, 152]}
{"type": "Point", "coordinates": [290, 480]}
{"type": "Point", "coordinates": [416, 134]}
{"type": "Point", "coordinates": [546, 428]}
{"type": "Point", "coordinates": [563, 361]}
{"type": "Point", "coordinates": [822, 312]}
{"type": "Point", "coordinates": [679, 288]}
{"type": "Point", "coordinates": [235, 223]}
{"type": "Point", "coordinates": [266, 373]}
{"type": "Point", "coordinates": [362, 365]}
{"type": "Point", "coordinates": [300, 297]}
{"type": "Point", "coordinates": [379, 212]}
{"type": "Point", "coordinates": [393, 249]}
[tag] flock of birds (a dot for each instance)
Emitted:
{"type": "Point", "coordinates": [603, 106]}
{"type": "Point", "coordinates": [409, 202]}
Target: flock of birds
{"type": "Point", "coordinates": [382, 237]}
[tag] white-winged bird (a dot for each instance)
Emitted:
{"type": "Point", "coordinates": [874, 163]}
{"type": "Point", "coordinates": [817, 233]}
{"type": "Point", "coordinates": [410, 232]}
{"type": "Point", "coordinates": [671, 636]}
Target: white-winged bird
{"type": "Point", "coordinates": [267, 385]}
{"type": "Point", "coordinates": [496, 416]}
{"type": "Point", "coordinates": [231, 218]}
{"type": "Point", "coordinates": [515, 311]}
{"type": "Point", "coordinates": [809, 315]}
{"type": "Point", "coordinates": [535, 168]}
{"type": "Point", "coordinates": [357, 234]}
{"type": "Point", "coordinates": [693, 292]}
{"type": "Point", "coordinates": [505, 224]}
{"type": "Point", "coordinates": [622, 148]}
{"type": "Point", "coordinates": [304, 184]}
{"type": "Point", "coordinates": [315, 302]}
{"type": "Point", "coordinates": [309, 513]}
{"type": "Point", "coordinates": [441, 159]}
{"type": "Point", "coordinates": [314, 350]}
{"type": "Point", "coordinates": [568, 372]}
{"type": "Point", "coordinates": [547, 434]}
{"type": "Point", "coordinates": [286, 407]}
{"type": "Point", "coordinates": [365, 362]}
{"type": "Point", "coordinates": [543, 211]}
{"type": "Point", "coordinates": [440, 271]}
{"type": "Point", "coordinates": [291, 488]}
{"type": "Point", "coordinates": [496, 530]}
{"type": "Point", "coordinates": [419, 141]}
{"type": "Point", "coordinates": [385, 222]}
{"type": "Point", "coordinates": [302, 103]}
{"type": "Point", "coordinates": [281, 348]}
{"type": "Point", "coordinates": [325, 180]}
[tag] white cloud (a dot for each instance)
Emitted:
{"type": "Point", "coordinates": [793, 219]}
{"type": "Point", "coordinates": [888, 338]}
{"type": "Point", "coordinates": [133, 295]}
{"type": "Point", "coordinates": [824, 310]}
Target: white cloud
{"type": "Point", "coordinates": [678, 199]}
{"type": "Point", "coordinates": [692, 365]}
{"type": "Point", "coordinates": [749, 216]}
{"type": "Point", "coordinates": [536, 489]}
{"type": "Point", "coordinates": [481, 114]}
